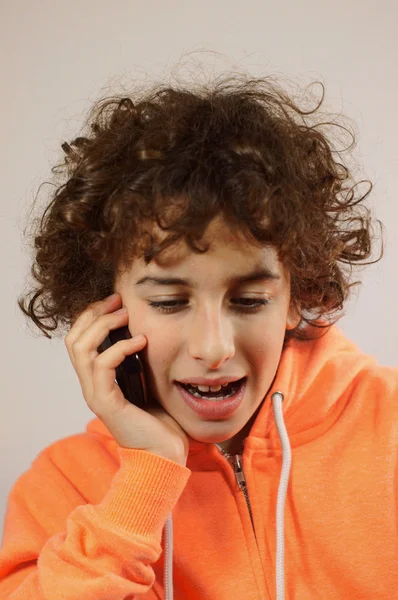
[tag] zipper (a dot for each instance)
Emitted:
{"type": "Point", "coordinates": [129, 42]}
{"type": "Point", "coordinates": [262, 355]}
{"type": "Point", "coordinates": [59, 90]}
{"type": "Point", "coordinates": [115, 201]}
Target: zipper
{"type": "Point", "coordinates": [242, 485]}
{"type": "Point", "coordinates": [236, 460]}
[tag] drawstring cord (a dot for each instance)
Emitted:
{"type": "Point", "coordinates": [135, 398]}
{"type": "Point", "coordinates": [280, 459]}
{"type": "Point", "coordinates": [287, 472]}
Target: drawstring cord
{"type": "Point", "coordinates": [277, 399]}
{"type": "Point", "coordinates": [168, 561]}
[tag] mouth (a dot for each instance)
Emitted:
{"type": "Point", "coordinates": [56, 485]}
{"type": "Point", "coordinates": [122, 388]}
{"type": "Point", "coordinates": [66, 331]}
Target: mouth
{"type": "Point", "coordinates": [213, 405]}
{"type": "Point", "coordinates": [225, 391]}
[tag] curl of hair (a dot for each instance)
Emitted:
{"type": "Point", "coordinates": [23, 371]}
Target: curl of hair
{"type": "Point", "coordinates": [177, 157]}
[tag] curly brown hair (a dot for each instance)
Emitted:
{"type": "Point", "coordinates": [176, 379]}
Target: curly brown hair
{"type": "Point", "coordinates": [177, 157]}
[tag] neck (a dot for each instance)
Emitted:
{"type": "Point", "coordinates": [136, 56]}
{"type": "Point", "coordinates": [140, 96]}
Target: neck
{"type": "Point", "coordinates": [235, 444]}
{"type": "Point", "coordinates": [234, 448]}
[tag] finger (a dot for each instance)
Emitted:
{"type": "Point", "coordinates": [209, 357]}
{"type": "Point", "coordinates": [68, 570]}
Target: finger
{"type": "Point", "coordinates": [85, 349]}
{"type": "Point", "coordinates": [107, 397]}
{"type": "Point", "coordinates": [85, 319]}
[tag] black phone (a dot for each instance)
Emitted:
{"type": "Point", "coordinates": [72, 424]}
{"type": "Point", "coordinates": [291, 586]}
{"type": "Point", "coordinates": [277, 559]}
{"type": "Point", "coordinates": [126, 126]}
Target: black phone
{"type": "Point", "coordinates": [130, 375]}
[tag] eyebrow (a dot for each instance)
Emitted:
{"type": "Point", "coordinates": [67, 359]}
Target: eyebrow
{"type": "Point", "coordinates": [262, 274]}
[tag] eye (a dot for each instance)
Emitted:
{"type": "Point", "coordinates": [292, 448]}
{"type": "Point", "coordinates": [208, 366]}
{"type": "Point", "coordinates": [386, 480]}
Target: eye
{"type": "Point", "coordinates": [171, 306]}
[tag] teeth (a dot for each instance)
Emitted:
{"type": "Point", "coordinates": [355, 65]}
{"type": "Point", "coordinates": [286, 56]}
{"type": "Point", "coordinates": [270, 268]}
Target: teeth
{"type": "Point", "coordinates": [197, 395]}
{"type": "Point", "coordinates": [198, 390]}
{"type": "Point", "coordinates": [208, 388]}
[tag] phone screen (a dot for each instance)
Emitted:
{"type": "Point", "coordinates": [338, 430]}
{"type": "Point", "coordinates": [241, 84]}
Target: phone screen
{"type": "Point", "coordinates": [130, 375]}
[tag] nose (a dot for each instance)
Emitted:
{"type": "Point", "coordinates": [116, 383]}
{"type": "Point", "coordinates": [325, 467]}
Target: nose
{"type": "Point", "coordinates": [210, 338]}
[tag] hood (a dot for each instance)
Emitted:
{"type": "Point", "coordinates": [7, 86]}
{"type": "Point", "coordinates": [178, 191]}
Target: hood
{"type": "Point", "coordinates": [310, 402]}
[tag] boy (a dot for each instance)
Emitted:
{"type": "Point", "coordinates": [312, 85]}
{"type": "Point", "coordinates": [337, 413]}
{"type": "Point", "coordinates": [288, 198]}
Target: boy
{"type": "Point", "coordinates": [221, 224]}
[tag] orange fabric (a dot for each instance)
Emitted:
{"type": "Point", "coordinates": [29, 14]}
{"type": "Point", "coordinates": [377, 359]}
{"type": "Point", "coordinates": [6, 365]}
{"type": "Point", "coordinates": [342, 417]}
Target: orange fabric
{"type": "Point", "coordinates": [86, 520]}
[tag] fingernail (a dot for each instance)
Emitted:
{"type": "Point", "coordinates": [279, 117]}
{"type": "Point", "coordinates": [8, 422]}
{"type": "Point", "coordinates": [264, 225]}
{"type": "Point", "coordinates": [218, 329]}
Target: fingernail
{"type": "Point", "coordinates": [111, 297]}
{"type": "Point", "coordinates": [120, 311]}
{"type": "Point", "coordinates": [138, 338]}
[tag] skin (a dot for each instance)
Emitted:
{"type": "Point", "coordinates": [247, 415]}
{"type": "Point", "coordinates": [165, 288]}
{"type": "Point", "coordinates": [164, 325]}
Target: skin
{"type": "Point", "coordinates": [206, 335]}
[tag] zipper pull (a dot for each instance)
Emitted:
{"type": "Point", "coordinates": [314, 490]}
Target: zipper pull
{"type": "Point", "coordinates": [239, 474]}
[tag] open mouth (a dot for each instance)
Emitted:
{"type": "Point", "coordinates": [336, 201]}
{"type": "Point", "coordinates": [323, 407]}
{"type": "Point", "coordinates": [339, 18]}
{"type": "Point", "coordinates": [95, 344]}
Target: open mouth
{"type": "Point", "coordinates": [225, 392]}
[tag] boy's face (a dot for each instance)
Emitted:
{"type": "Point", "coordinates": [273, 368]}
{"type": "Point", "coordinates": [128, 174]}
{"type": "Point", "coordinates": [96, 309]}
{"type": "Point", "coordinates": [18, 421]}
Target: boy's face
{"type": "Point", "coordinates": [205, 334]}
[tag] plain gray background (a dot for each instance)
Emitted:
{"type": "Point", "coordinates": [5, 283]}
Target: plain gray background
{"type": "Point", "coordinates": [57, 57]}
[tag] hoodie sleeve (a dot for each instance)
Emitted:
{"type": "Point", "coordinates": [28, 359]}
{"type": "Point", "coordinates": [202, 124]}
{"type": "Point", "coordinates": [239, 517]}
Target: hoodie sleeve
{"type": "Point", "coordinates": [104, 550]}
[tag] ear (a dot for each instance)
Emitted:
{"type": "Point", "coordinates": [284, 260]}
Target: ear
{"type": "Point", "coordinates": [293, 318]}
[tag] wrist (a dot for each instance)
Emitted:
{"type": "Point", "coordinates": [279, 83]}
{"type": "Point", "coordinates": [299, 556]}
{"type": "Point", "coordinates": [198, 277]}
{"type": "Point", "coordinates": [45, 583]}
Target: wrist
{"type": "Point", "coordinates": [177, 458]}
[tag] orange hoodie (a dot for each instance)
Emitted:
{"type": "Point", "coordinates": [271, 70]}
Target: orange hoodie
{"type": "Point", "coordinates": [92, 521]}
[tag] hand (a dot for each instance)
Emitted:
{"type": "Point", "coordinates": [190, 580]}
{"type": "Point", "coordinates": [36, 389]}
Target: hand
{"type": "Point", "coordinates": [154, 429]}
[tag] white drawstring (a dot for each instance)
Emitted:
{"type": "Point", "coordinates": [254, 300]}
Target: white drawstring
{"type": "Point", "coordinates": [277, 399]}
{"type": "Point", "coordinates": [168, 561]}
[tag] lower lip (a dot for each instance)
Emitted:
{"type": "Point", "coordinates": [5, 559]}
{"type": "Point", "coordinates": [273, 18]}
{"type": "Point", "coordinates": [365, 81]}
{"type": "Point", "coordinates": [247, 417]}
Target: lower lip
{"type": "Point", "coordinates": [213, 409]}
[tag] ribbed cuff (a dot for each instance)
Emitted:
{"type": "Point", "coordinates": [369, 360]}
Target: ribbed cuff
{"type": "Point", "coordinates": [143, 491]}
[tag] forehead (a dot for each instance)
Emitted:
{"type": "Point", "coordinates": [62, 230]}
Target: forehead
{"type": "Point", "coordinates": [219, 239]}
{"type": "Point", "coordinates": [229, 256]}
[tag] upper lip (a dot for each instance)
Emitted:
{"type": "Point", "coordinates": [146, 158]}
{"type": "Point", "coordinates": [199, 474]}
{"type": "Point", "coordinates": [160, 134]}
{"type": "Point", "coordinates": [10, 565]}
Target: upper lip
{"type": "Point", "coordinates": [204, 381]}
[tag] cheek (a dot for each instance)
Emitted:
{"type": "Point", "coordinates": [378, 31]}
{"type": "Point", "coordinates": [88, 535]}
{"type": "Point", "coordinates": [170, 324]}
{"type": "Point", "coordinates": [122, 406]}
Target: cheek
{"type": "Point", "coordinates": [161, 350]}
{"type": "Point", "coordinates": [266, 345]}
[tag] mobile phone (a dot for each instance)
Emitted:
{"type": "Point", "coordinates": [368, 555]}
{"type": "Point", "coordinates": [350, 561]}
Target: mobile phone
{"type": "Point", "coordinates": [130, 375]}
